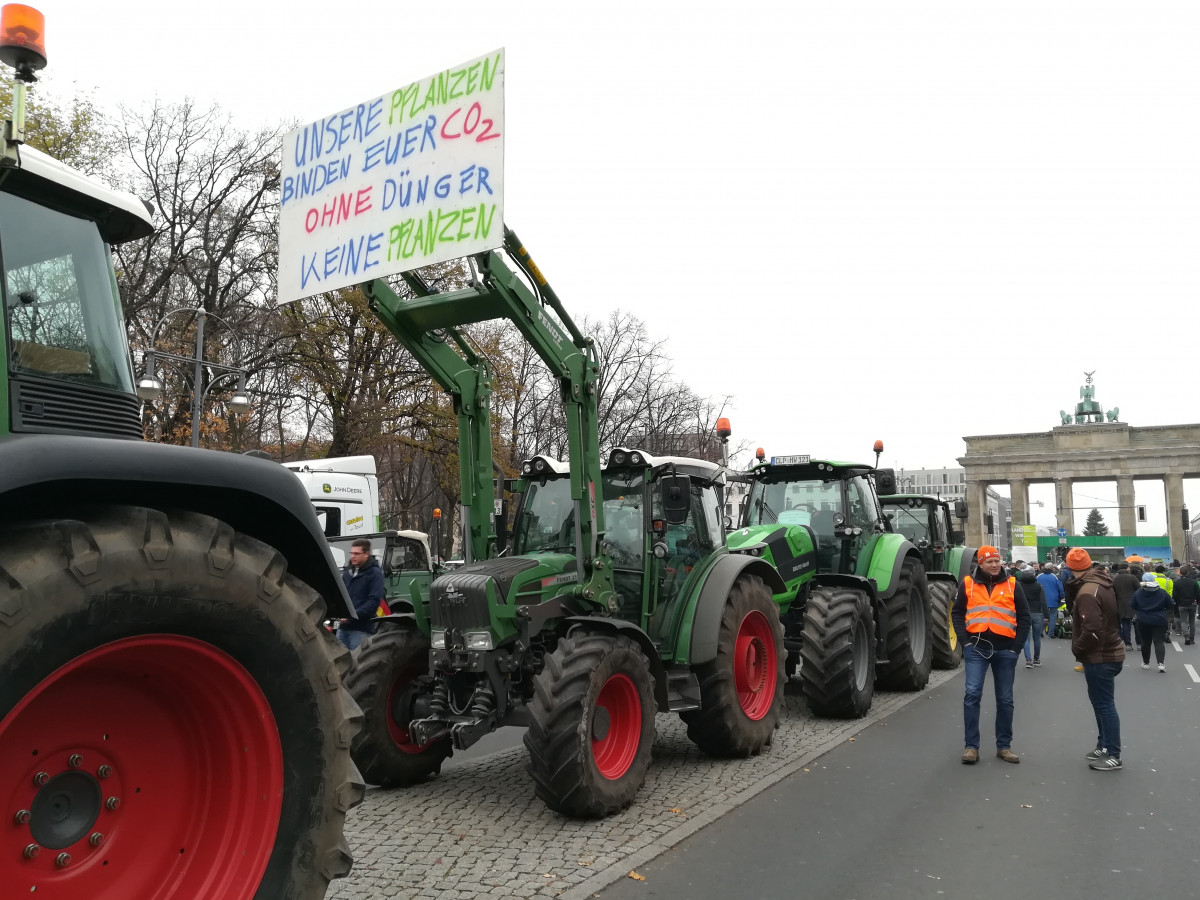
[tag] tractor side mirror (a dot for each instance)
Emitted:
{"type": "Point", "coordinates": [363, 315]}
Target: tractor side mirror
{"type": "Point", "coordinates": [958, 537]}
{"type": "Point", "coordinates": [676, 493]}
{"type": "Point", "coordinates": [960, 509]}
{"type": "Point", "coordinates": [885, 481]}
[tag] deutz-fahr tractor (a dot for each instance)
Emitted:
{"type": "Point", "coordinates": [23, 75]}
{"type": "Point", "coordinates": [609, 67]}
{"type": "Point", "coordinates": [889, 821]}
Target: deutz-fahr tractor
{"type": "Point", "coordinates": [172, 719]}
{"type": "Point", "coordinates": [616, 600]}
{"type": "Point", "coordinates": [858, 611]}
{"type": "Point", "coordinates": [926, 521]}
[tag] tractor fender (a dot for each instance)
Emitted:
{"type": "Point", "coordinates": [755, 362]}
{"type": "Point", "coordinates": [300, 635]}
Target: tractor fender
{"type": "Point", "coordinates": [625, 628]}
{"type": "Point", "coordinates": [888, 556]}
{"type": "Point", "coordinates": [967, 562]}
{"type": "Point", "coordinates": [47, 475]}
{"type": "Point", "coordinates": [706, 616]}
{"type": "Point", "coordinates": [855, 582]}
{"type": "Point", "coordinates": [396, 620]}
{"type": "Point", "coordinates": [942, 576]}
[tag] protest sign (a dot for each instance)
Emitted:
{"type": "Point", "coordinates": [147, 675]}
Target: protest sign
{"type": "Point", "coordinates": [408, 179]}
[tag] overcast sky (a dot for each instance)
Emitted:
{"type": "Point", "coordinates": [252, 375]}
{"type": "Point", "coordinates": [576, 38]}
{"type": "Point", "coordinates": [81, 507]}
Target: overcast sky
{"type": "Point", "coordinates": [908, 221]}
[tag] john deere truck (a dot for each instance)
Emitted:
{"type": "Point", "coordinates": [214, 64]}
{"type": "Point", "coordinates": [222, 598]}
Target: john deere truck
{"type": "Point", "coordinates": [857, 609]}
{"type": "Point", "coordinates": [617, 598]}
{"type": "Point", "coordinates": [172, 719]}
{"type": "Point", "coordinates": [928, 523]}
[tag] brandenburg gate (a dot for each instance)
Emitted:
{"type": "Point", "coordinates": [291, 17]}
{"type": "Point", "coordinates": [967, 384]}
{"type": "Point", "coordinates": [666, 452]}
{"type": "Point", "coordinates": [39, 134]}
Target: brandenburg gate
{"type": "Point", "coordinates": [1083, 448]}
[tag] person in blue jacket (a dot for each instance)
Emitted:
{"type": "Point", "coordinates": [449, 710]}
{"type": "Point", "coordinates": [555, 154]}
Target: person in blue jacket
{"type": "Point", "coordinates": [1150, 605]}
{"type": "Point", "coordinates": [1055, 592]}
{"type": "Point", "coordinates": [364, 581]}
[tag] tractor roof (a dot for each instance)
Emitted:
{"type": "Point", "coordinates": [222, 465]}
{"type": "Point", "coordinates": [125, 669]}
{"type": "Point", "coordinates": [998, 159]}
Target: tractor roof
{"type": "Point", "coordinates": [803, 468]}
{"type": "Point", "coordinates": [907, 499]}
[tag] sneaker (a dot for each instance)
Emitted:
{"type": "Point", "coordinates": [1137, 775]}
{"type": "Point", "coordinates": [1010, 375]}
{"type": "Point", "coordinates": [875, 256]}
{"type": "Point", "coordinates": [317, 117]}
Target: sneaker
{"type": "Point", "coordinates": [970, 756]}
{"type": "Point", "coordinates": [1029, 663]}
{"type": "Point", "coordinates": [1079, 668]}
{"type": "Point", "coordinates": [1008, 756]}
{"type": "Point", "coordinates": [1129, 646]}
{"type": "Point", "coordinates": [1162, 667]}
{"type": "Point", "coordinates": [1145, 665]}
{"type": "Point", "coordinates": [1037, 663]}
{"type": "Point", "coordinates": [1098, 753]}
{"type": "Point", "coordinates": [1105, 763]}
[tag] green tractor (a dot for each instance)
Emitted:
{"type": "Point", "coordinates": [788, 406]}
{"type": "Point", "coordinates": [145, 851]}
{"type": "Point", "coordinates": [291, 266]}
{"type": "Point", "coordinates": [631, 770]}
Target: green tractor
{"type": "Point", "coordinates": [927, 522]}
{"type": "Point", "coordinates": [857, 603]}
{"type": "Point", "coordinates": [616, 600]}
{"type": "Point", "coordinates": [172, 716]}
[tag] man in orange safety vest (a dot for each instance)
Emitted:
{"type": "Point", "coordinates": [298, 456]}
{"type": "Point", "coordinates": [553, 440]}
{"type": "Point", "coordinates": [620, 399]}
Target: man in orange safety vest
{"type": "Point", "coordinates": [992, 621]}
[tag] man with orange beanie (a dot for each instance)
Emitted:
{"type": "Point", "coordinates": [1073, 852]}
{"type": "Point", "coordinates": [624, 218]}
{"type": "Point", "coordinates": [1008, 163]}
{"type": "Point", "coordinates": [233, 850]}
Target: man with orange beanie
{"type": "Point", "coordinates": [1097, 643]}
{"type": "Point", "coordinates": [991, 619]}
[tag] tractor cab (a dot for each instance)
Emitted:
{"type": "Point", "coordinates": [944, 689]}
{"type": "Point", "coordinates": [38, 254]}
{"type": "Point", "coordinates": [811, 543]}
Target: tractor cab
{"type": "Point", "coordinates": [834, 500]}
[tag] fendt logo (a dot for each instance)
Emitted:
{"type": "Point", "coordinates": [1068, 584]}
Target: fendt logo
{"type": "Point", "coordinates": [327, 489]}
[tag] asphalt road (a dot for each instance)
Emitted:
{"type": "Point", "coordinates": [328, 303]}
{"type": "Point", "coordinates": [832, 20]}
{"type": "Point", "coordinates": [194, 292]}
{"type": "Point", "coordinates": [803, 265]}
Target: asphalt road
{"type": "Point", "coordinates": [893, 813]}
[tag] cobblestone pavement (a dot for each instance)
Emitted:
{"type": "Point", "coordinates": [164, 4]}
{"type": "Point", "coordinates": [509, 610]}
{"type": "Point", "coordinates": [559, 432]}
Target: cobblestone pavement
{"type": "Point", "coordinates": [478, 830]}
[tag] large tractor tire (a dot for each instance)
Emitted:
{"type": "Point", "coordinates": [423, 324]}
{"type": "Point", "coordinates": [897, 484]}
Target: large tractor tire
{"type": "Point", "coordinates": [837, 668]}
{"type": "Point", "coordinates": [947, 654]}
{"type": "Point", "coordinates": [591, 725]}
{"type": "Point", "coordinates": [740, 690]}
{"type": "Point", "coordinates": [172, 720]}
{"type": "Point", "coordinates": [386, 672]}
{"type": "Point", "coordinates": [908, 642]}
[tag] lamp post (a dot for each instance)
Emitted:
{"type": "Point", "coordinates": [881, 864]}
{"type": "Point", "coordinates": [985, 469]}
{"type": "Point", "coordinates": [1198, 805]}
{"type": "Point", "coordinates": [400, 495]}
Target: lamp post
{"type": "Point", "coordinates": [150, 388]}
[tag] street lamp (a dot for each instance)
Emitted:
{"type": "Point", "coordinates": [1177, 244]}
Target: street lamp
{"type": "Point", "coordinates": [149, 387]}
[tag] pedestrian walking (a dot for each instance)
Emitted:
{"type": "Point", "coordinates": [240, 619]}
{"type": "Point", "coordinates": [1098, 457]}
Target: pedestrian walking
{"type": "Point", "coordinates": [1125, 584]}
{"type": "Point", "coordinates": [1186, 595]}
{"type": "Point", "coordinates": [1054, 592]}
{"type": "Point", "coordinates": [1150, 605]}
{"type": "Point", "coordinates": [1028, 580]}
{"type": "Point", "coordinates": [1097, 644]}
{"type": "Point", "coordinates": [991, 619]}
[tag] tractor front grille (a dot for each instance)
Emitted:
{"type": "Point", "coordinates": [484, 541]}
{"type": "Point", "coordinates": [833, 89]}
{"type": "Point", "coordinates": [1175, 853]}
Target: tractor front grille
{"type": "Point", "coordinates": [459, 602]}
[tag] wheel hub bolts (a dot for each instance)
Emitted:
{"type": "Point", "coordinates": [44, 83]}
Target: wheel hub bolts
{"type": "Point", "coordinates": [112, 803]}
{"type": "Point", "coordinates": [21, 817]}
{"type": "Point", "coordinates": [40, 778]}
{"type": "Point", "coordinates": [32, 850]}
{"type": "Point", "coordinates": [75, 761]}
{"type": "Point", "coordinates": [104, 771]}
{"type": "Point", "coordinates": [62, 860]}
{"type": "Point", "coordinates": [96, 839]}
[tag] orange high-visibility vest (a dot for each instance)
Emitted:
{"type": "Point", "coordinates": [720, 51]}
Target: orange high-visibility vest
{"type": "Point", "coordinates": [995, 611]}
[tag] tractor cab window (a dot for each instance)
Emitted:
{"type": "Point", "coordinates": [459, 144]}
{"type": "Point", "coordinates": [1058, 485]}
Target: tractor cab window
{"type": "Point", "coordinates": [941, 525]}
{"type": "Point", "coordinates": [912, 522]}
{"type": "Point", "coordinates": [407, 555]}
{"type": "Point", "coordinates": [62, 314]}
{"type": "Point", "coordinates": [625, 519]}
{"type": "Point", "coordinates": [546, 520]}
{"type": "Point", "coordinates": [813, 503]}
{"type": "Point", "coordinates": [685, 545]}
{"type": "Point", "coordinates": [714, 518]}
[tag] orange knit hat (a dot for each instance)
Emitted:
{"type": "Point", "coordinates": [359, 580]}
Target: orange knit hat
{"type": "Point", "coordinates": [987, 552]}
{"type": "Point", "coordinates": [1078, 559]}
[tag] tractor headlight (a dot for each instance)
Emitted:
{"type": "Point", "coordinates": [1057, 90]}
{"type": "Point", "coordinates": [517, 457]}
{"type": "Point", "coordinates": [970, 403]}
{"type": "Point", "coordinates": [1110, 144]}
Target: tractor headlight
{"type": "Point", "coordinates": [437, 639]}
{"type": "Point", "coordinates": [479, 640]}
{"type": "Point", "coordinates": [636, 459]}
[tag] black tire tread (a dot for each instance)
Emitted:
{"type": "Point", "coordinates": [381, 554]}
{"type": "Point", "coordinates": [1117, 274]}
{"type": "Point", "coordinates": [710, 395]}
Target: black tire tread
{"type": "Point", "coordinates": [720, 727]}
{"type": "Point", "coordinates": [380, 659]}
{"type": "Point", "coordinates": [941, 599]}
{"type": "Point", "coordinates": [560, 760]}
{"type": "Point", "coordinates": [827, 652]}
{"type": "Point", "coordinates": [904, 671]}
{"type": "Point", "coordinates": [110, 572]}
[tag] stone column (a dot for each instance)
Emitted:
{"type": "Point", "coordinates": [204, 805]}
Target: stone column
{"type": "Point", "coordinates": [976, 510]}
{"type": "Point", "coordinates": [1174, 491]}
{"type": "Point", "coordinates": [1126, 499]}
{"type": "Point", "coordinates": [1065, 499]}
{"type": "Point", "coordinates": [1019, 491]}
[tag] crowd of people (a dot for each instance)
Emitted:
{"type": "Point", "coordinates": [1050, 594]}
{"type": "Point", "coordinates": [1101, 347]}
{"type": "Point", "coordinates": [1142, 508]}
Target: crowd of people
{"type": "Point", "coordinates": [1103, 610]}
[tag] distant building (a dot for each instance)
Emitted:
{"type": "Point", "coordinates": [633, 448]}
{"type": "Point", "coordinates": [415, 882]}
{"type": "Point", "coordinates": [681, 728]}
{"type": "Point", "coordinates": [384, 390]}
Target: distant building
{"type": "Point", "coordinates": [949, 484]}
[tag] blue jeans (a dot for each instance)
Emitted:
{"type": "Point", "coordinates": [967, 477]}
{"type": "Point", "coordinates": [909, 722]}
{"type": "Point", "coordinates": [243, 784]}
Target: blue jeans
{"type": "Point", "coordinates": [1003, 664]}
{"type": "Point", "coordinates": [1051, 619]}
{"type": "Point", "coordinates": [1035, 636]}
{"type": "Point", "coordinates": [351, 637]}
{"type": "Point", "coordinates": [1101, 678]}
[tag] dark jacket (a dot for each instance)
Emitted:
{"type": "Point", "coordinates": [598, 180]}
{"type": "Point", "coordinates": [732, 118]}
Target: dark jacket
{"type": "Point", "coordinates": [1052, 588]}
{"type": "Point", "coordinates": [1187, 591]}
{"type": "Point", "coordinates": [958, 614]}
{"type": "Point", "coordinates": [365, 585]}
{"type": "Point", "coordinates": [1035, 597]}
{"type": "Point", "coordinates": [1095, 625]}
{"type": "Point", "coordinates": [1150, 605]}
{"type": "Point", "coordinates": [1126, 585]}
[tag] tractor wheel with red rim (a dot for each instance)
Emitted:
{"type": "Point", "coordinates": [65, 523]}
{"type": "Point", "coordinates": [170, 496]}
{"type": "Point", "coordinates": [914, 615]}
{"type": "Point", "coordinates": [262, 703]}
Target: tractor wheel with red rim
{"type": "Point", "coordinates": [388, 681]}
{"type": "Point", "coordinates": [591, 725]}
{"type": "Point", "coordinates": [172, 722]}
{"type": "Point", "coordinates": [741, 689]}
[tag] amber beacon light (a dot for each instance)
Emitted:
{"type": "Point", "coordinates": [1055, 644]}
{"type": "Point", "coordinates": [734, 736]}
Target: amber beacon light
{"type": "Point", "coordinates": [22, 39]}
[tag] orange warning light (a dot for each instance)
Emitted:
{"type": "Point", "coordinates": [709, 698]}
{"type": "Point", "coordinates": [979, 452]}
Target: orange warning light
{"type": "Point", "coordinates": [723, 429]}
{"type": "Point", "coordinates": [22, 38]}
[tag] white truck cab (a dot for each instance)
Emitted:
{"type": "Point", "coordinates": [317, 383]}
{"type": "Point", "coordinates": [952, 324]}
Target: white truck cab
{"type": "Point", "coordinates": [344, 491]}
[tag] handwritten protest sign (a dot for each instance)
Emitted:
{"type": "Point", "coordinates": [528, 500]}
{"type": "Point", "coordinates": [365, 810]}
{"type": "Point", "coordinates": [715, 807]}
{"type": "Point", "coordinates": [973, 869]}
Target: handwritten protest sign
{"type": "Point", "coordinates": [405, 180]}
